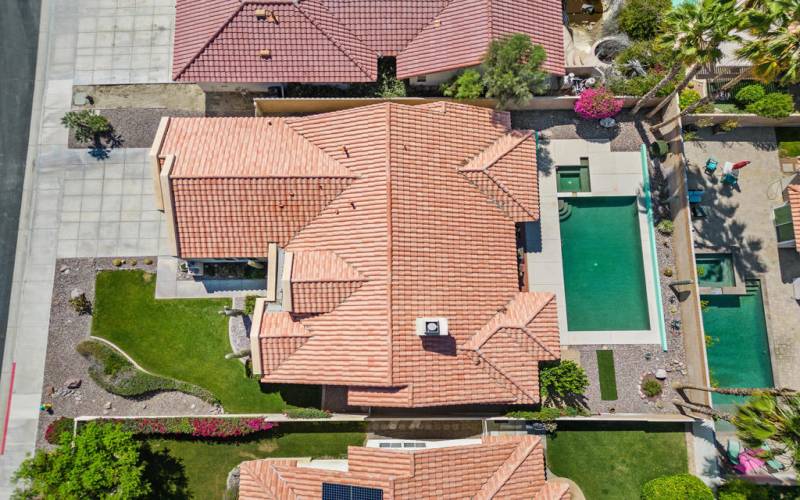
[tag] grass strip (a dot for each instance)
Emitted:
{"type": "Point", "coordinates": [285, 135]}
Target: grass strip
{"type": "Point", "coordinates": [111, 371]}
{"type": "Point", "coordinates": [607, 375]}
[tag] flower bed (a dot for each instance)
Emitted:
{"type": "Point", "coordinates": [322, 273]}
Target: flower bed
{"type": "Point", "coordinates": [204, 427]}
{"type": "Point", "coordinates": [56, 428]}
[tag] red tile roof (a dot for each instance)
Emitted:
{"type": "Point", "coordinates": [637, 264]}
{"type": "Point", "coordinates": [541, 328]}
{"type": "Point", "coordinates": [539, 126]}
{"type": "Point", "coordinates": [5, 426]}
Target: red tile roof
{"type": "Point", "coordinates": [508, 467]}
{"type": "Point", "coordinates": [408, 236]}
{"type": "Point", "coordinates": [794, 204]}
{"type": "Point", "coordinates": [327, 41]}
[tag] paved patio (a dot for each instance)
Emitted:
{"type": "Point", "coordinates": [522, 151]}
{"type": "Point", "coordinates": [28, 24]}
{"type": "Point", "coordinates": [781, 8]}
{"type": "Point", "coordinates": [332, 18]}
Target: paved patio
{"type": "Point", "coordinates": [73, 205]}
{"type": "Point", "coordinates": [743, 218]}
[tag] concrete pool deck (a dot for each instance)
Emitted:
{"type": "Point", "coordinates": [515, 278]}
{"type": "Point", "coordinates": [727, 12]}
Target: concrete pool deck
{"type": "Point", "coordinates": [743, 218]}
{"type": "Point", "coordinates": [613, 173]}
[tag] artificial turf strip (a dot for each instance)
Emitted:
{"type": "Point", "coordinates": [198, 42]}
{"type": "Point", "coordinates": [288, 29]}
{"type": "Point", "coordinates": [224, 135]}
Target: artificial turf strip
{"type": "Point", "coordinates": [607, 375]}
{"type": "Point", "coordinates": [613, 461]}
{"type": "Point", "coordinates": [205, 464]}
{"type": "Point", "coordinates": [788, 140]}
{"type": "Point", "coordinates": [183, 339]}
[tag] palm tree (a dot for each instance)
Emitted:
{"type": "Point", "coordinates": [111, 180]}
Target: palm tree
{"type": "Point", "coordinates": [773, 51]}
{"type": "Point", "coordinates": [703, 410]}
{"type": "Point", "coordinates": [693, 32]}
{"type": "Point", "coordinates": [734, 391]}
{"type": "Point", "coordinates": [771, 419]}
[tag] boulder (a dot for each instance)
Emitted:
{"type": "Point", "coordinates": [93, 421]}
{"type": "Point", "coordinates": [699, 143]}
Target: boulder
{"type": "Point", "coordinates": [107, 406]}
{"type": "Point", "coordinates": [75, 293]}
{"type": "Point", "coordinates": [661, 374]}
{"type": "Point", "coordinates": [73, 383]}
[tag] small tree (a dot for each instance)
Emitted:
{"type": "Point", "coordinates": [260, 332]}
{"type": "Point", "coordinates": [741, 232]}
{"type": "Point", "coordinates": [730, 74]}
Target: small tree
{"type": "Point", "coordinates": [87, 125]}
{"type": "Point", "coordinates": [467, 85]}
{"type": "Point", "coordinates": [512, 69]}
{"type": "Point", "coordinates": [104, 462]}
{"type": "Point", "coordinates": [641, 19]}
{"type": "Point", "coordinates": [750, 94]}
{"type": "Point", "coordinates": [596, 104]}
{"type": "Point", "coordinates": [562, 381]}
{"type": "Point", "coordinates": [683, 486]}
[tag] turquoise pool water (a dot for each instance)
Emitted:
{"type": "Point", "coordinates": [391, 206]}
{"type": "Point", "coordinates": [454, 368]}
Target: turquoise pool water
{"type": "Point", "coordinates": [715, 270]}
{"type": "Point", "coordinates": [737, 343]}
{"type": "Point", "coordinates": [601, 249]}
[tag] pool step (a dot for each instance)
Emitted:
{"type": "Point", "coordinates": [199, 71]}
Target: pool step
{"type": "Point", "coordinates": [564, 210]}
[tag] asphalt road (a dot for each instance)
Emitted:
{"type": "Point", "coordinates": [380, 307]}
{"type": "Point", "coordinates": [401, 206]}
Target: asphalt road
{"type": "Point", "coordinates": [19, 33]}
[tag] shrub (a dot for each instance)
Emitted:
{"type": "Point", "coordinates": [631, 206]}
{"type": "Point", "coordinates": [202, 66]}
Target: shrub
{"type": "Point", "coordinates": [205, 427]}
{"type": "Point", "coordinates": [597, 103]}
{"type": "Point", "coordinates": [307, 413]}
{"type": "Point", "coordinates": [640, 19]}
{"type": "Point", "coordinates": [250, 304]}
{"type": "Point", "coordinates": [643, 51]}
{"type": "Point", "coordinates": [564, 379]}
{"type": "Point", "coordinates": [665, 227]}
{"type": "Point", "coordinates": [651, 387]}
{"type": "Point", "coordinates": [512, 69]}
{"type": "Point", "coordinates": [773, 105]}
{"type": "Point", "coordinates": [115, 374]}
{"type": "Point", "coordinates": [117, 262]}
{"type": "Point", "coordinates": [148, 261]}
{"type": "Point", "coordinates": [689, 97]}
{"type": "Point", "coordinates": [391, 87]}
{"type": "Point", "coordinates": [81, 304]}
{"type": "Point", "coordinates": [740, 489]}
{"type": "Point", "coordinates": [728, 125]}
{"type": "Point", "coordinates": [638, 86]}
{"type": "Point", "coordinates": [467, 85]}
{"type": "Point", "coordinates": [750, 94]}
{"type": "Point", "coordinates": [132, 262]}
{"type": "Point", "coordinates": [690, 135]}
{"type": "Point", "coordinates": [87, 125]}
{"type": "Point", "coordinates": [103, 462]}
{"type": "Point", "coordinates": [58, 427]}
{"type": "Point", "coordinates": [683, 486]}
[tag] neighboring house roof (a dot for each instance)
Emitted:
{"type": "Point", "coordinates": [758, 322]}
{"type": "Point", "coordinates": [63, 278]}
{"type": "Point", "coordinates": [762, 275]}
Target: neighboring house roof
{"type": "Point", "coordinates": [508, 467]}
{"type": "Point", "coordinates": [328, 41]}
{"type": "Point", "coordinates": [794, 204]}
{"type": "Point", "coordinates": [405, 234]}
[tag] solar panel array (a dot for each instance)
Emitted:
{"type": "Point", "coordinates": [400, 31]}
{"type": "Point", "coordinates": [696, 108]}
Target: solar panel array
{"type": "Point", "coordinates": [332, 491]}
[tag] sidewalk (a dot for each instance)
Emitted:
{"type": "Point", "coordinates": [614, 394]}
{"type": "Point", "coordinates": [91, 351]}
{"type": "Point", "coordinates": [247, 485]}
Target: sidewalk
{"type": "Point", "coordinates": [73, 205]}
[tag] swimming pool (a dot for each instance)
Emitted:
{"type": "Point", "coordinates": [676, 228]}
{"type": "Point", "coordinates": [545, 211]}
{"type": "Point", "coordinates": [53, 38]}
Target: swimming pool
{"type": "Point", "coordinates": [715, 270]}
{"type": "Point", "coordinates": [604, 281]}
{"type": "Point", "coordinates": [736, 341]}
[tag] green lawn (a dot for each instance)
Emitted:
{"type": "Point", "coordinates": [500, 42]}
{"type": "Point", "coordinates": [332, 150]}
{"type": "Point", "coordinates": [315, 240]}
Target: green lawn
{"type": "Point", "coordinates": [183, 339]}
{"type": "Point", "coordinates": [788, 140]}
{"type": "Point", "coordinates": [613, 461]}
{"type": "Point", "coordinates": [607, 375]}
{"type": "Point", "coordinates": [198, 469]}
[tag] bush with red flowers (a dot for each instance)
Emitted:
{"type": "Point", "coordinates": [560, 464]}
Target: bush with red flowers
{"type": "Point", "coordinates": [206, 427]}
{"type": "Point", "coordinates": [56, 428]}
{"type": "Point", "coordinates": [596, 104]}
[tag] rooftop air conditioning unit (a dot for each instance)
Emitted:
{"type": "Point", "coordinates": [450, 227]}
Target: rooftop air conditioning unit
{"type": "Point", "coordinates": [432, 327]}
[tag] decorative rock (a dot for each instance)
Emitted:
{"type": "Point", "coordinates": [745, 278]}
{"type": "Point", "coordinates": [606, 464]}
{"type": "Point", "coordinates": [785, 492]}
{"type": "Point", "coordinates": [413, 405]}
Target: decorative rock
{"type": "Point", "coordinates": [661, 374]}
{"type": "Point", "coordinates": [107, 406]}
{"type": "Point", "coordinates": [75, 293]}
{"type": "Point", "coordinates": [193, 406]}
{"type": "Point", "coordinates": [73, 383]}
{"type": "Point", "coordinates": [144, 406]}
{"type": "Point", "coordinates": [63, 268]}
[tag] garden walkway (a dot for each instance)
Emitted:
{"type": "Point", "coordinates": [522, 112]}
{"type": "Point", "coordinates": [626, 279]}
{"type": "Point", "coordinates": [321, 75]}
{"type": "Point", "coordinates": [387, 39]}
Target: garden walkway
{"type": "Point", "coordinates": [70, 201]}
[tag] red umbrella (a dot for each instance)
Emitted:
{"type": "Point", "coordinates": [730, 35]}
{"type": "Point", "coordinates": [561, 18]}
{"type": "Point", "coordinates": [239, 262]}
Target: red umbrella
{"type": "Point", "coordinates": [740, 164]}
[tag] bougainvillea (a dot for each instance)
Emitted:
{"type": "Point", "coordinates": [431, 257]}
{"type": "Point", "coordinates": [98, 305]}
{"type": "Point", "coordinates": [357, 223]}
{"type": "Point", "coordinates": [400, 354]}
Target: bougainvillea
{"type": "Point", "coordinates": [596, 104]}
{"type": "Point", "coordinates": [53, 432]}
{"type": "Point", "coordinates": [213, 427]}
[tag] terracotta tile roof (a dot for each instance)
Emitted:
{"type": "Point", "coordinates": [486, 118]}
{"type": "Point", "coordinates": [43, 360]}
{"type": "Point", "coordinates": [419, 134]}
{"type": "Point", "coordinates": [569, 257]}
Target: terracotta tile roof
{"type": "Point", "coordinates": [794, 204]}
{"type": "Point", "coordinates": [327, 41]}
{"type": "Point", "coordinates": [407, 237]}
{"type": "Point", "coordinates": [508, 467]}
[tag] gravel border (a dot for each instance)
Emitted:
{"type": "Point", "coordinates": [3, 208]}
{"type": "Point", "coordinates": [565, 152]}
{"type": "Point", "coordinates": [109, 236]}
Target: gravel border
{"type": "Point", "coordinates": [136, 127]}
{"type": "Point", "coordinates": [63, 363]}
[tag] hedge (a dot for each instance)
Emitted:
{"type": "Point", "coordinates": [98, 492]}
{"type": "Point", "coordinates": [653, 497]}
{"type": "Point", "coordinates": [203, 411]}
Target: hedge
{"type": "Point", "coordinates": [307, 413]}
{"type": "Point", "coordinates": [114, 373]}
{"type": "Point", "coordinates": [207, 427]}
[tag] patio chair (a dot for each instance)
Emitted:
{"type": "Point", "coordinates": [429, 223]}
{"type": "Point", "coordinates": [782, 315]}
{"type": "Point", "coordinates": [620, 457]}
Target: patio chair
{"type": "Point", "coordinates": [696, 195]}
{"type": "Point", "coordinates": [772, 463]}
{"type": "Point", "coordinates": [731, 179]}
{"type": "Point", "coordinates": [734, 449]}
{"type": "Point", "coordinates": [711, 165]}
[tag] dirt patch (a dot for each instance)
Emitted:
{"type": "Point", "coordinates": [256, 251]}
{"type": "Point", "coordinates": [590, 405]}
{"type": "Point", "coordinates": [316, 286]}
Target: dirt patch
{"type": "Point", "coordinates": [188, 97]}
{"type": "Point", "coordinates": [134, 128]}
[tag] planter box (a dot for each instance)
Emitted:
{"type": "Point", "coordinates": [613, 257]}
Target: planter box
{"type": "Point", "coordinates": [744, 119]}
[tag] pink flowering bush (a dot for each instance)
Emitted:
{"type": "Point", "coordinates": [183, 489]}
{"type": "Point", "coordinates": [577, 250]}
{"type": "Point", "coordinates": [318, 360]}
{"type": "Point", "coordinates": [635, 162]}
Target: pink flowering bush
{"type": "Point", "coordinates": [596, 104]}
{"type": "Point", "coordinates": [205, 427]}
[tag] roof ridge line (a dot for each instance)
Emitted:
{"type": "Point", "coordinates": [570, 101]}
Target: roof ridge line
{"type": "Point", "coordinates": [210, 40]}
{"type": "Point", "coordinates": [521, 453]}
{"type": "Point", "coordinates": [389, 236]}
{"type": "Point", "coordinates": [333, 39]}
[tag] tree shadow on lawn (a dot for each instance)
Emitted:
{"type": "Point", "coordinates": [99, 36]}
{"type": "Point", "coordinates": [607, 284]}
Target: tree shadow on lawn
{"type": "Point", "coordinates": [166, 474]}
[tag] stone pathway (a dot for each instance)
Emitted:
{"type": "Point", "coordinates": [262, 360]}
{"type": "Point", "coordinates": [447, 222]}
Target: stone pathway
{"type": "Point", "coordinates": [71, 201]}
